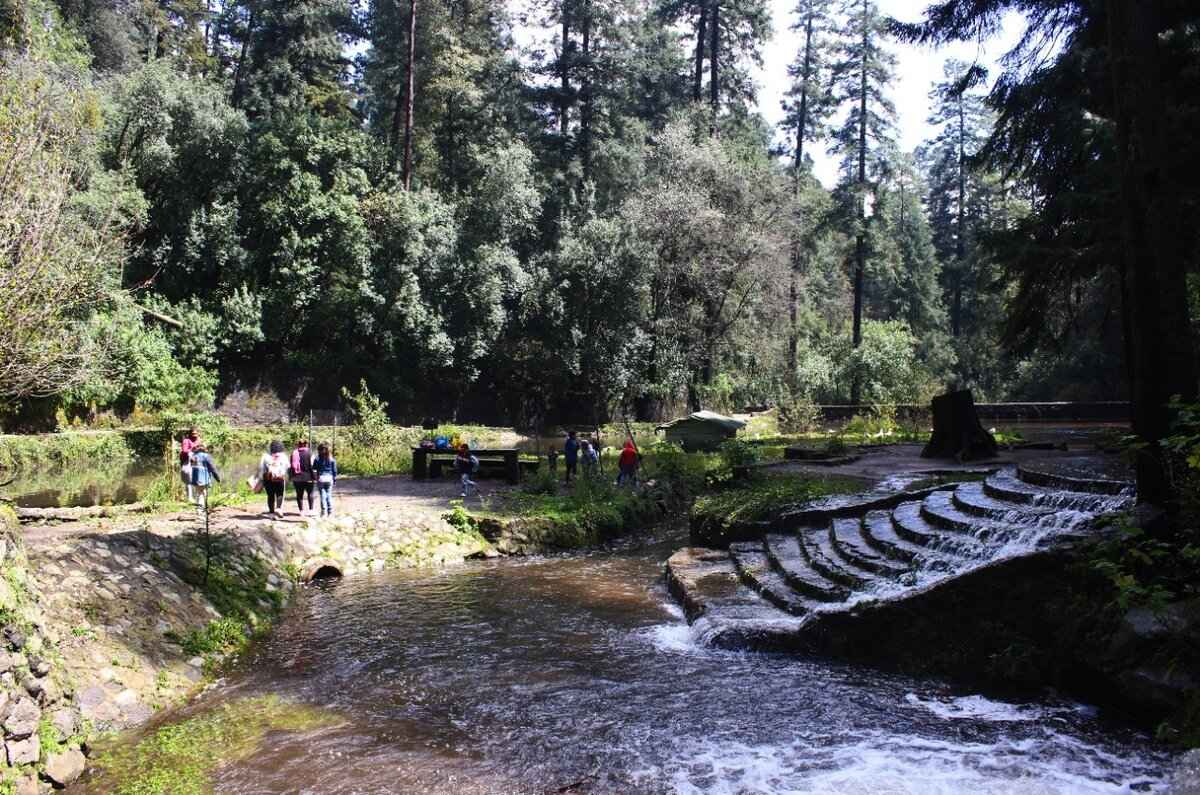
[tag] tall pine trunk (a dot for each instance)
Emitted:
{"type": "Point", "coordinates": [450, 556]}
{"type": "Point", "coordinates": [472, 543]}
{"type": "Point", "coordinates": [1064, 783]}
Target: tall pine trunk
{"type": "Point", "coordinates": [408, 97]}
{"type": "Point", "coordinates": [1163, 363]}
{"type": "Point", "coordinates": [960, 244]}
{"type": "Point", "coordinates": [860, 246]}
{"type": "Point", "coordinates": [714, 63]}
{"type": "Point", "coordinates": [564, 102]}
{"type": "Point", "coordinates": [701, 34]}
{"type": "Point", "coordinates": [797, 264]}
{"type": "Point", "coordinates": [585, 90]}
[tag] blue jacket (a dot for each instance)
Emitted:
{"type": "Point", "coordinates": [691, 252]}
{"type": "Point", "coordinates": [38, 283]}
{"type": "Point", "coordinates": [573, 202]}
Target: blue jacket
{"type": "Point", "coordinates": [325, 466]}
{"type": "Point", "coordinates": [571, 449]}
{"type": "Point", "coordinates": [203, 471]}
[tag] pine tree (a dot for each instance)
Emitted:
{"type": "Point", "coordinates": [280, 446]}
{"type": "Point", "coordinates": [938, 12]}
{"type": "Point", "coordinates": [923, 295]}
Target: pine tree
{"type": "Point", "coordinates": [964, 122]}
{"type": "Point", "coordinates": [808, 106]}
{"type": "Point", "coordinates": [861, 76]}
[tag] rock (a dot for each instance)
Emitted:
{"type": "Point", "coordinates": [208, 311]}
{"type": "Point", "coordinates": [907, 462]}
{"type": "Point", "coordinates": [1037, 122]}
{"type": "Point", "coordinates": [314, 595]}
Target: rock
{"type": "Point", "coordinates": [1186, 779]}
{"type": "Point", "coordinates": [15, 637]}
{"type": "Point", "coordinates": [23, 752]}
{"type": "Point", "coordinates": [62, 769]}
{"type": "Point", "coordinates": [33, 685]}
{"type": "Point", "coordinates": [6, 662]}
{"type": "Point", "coordinates": [28, 786]}
{"type": "Point", "coordinates": [23, 720]}
{"type": "Point", "coordinates": [65, 722]}
{"type": "Point", "coordinates": [196, 662]}
{"type": "Point", "coordinates": [125, 698]}
{"type": "Point", "coordinates": [39, 666]}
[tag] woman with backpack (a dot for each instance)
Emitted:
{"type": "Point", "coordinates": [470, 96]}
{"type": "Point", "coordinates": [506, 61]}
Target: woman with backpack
{"type": "Point", "coordinates": [325, 468]}
{"type": "Point", "coordinates": [301, 473]}
{"type": "Point", "coordinates": [203, 475]}
{"type": "Point", "coordinates": [273, 470]}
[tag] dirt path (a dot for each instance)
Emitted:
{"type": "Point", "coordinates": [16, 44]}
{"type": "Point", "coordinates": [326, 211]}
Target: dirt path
{"type": "Point", "coordinates": [417, 503]}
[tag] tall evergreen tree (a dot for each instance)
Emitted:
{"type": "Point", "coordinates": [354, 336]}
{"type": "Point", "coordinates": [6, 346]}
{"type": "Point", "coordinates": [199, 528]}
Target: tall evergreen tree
{"type": "Point", "coordinates": [861, 76]}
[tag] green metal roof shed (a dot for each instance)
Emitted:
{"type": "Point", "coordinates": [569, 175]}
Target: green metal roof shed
{"type": "Point", "coordinates": [701, 430]}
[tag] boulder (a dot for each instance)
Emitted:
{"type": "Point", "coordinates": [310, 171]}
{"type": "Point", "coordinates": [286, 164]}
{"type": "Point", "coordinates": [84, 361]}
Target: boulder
{"type": "Point", "coordinates": [23, 720]}
{"type": "Point", "coordinates": [65, 722]}
{"type": "Point", "coordinates": [63, 768]}
{"type": "Point", "coordinates": [23, 752]}
{"type": "Point", "coordinates": [28, 786]}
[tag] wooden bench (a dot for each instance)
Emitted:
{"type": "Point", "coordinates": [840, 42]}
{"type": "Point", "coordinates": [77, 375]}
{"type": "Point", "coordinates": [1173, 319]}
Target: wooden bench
{"type": "Point", "coordinates": [428, 462]}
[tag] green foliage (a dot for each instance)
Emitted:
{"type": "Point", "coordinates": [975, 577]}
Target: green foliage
{"type": "Point", "coordinates": [179, 758]}
{"type": "Point", "coordinates": [761, 498]}
{"type": "Point", "coordinates": [738, 452]}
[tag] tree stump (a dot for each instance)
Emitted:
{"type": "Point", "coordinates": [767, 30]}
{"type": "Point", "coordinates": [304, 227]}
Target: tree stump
{"type": "Point", "coordinates": [957, 432]}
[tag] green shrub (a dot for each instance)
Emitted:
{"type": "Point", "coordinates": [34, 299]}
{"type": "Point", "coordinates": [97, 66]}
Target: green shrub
{"type": "Point", "coordinates": [738, 452]}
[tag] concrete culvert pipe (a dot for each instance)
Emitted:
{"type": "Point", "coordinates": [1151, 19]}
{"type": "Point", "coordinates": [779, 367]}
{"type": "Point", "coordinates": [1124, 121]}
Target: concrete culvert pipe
{"type": "Point", "coordinates": [322, 570]}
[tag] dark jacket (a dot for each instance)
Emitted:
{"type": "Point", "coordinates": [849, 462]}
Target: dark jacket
{"type": "Point", "coordinates": [301, 469]}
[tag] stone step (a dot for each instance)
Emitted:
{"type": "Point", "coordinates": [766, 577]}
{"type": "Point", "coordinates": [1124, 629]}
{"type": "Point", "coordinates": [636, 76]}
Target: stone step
{"type": "Point", "coordinates": [1005, 486]}
{"type": "Point", "coordinates": [971, 498]}
{"type": "Point", "coordinates": [913, 527]}
{"type": "Point", "coordinates": [750, 560]}
{"type": "Point", "coordinates": [847, 539]}
{"type": "Point", "coordinates": [706, 584]}
{"type": "Point", "coordinates": [1064, 482]}
{"type": "Point", "coordinates": [818, 549]}
{"type": "Point", "coordinates": [879, 531]}
{"type": "Point", "coordinates": [939, 510]}
{"type": "Point", "coordinates": [784, 553]}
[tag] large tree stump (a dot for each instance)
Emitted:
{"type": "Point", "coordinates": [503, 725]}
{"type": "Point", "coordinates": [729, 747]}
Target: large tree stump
{"type": "Point", "coordinates": [957, 432]}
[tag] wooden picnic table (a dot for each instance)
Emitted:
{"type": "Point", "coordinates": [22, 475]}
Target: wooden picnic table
{"type": "Point", "coordinates": [428, 461]}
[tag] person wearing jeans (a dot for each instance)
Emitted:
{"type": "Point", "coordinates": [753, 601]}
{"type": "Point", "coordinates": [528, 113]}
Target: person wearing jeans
{"type": "Point", "coordinates": [325, 468]}
{"type": "Point", "coordinates": [301, 473]}
{"type": "Point", "coordinates": [273, 469]}
{"type": "Point", "coordinates": [466, 464]}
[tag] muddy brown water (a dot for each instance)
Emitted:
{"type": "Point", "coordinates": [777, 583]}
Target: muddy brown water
{"type": "Point", "coordinates": [577, 674]}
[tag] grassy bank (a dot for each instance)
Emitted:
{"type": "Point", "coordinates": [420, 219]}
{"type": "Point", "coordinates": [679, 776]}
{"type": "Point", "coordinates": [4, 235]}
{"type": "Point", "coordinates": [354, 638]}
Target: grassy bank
{"type": "Point", "coordinates": [763, 496]}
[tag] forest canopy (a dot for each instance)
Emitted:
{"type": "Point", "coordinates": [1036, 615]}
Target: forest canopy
{"type": "Point", "coordinates": [303, 195]}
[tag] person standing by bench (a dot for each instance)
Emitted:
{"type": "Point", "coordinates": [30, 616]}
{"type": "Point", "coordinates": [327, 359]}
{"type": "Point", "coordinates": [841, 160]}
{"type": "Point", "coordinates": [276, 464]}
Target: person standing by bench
{"type": "Point", "coordinates": [466, 465]}
{"type": "Point", "coordinates": [570, 455]}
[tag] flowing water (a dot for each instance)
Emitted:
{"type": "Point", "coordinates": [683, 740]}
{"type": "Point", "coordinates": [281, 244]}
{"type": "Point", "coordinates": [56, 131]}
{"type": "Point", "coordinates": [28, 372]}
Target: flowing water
{"type": "Point", "coordinates": [577, 674]}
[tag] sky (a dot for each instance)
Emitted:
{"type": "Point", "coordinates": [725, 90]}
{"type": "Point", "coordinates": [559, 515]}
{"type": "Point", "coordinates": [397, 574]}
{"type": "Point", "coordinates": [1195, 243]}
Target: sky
{"type": "Point", "coordinates": [918, 68]}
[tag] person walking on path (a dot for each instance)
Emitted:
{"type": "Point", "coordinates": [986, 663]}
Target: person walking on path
{"type": "Point", "coordinates": [590, 458]}
{"type": "Point", "coordinates": [466, 465]}
{"type": "Point", "coordinates": [301, 473]}
{"type": "Point", "coordinates": [186, 446]}
{"type": "Point", "coordinates": [570, 455]}
{"type": "Point", "coordinates": [627, 464]}
{"type": "Point", "coordinates": [203, 474]}
{"type": "Point", "coordinates": [273, 470]}
{"type": "Point", "coordinates": [325, 468]}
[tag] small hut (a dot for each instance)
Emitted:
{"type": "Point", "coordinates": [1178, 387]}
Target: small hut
{"type": "Point", "coordinates": [702, 430]}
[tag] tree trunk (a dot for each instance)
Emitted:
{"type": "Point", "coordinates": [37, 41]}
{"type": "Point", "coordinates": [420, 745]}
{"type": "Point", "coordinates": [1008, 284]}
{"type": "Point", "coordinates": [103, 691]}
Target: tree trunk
{"type": "Point", "coordinates": [957, 432]}
{"type": "Point", "coordinates": [701, 33]}
{"type": "Point", "coordinates": [714, 62]}
{"type": "Point", "coordinates": [564, 102]}
{"type": "Point", "coordinates": [860, 246]}
{"type": "Point", "coordinates": [585, 115]}
{"type": "Point", "coordinates": [1163, 363]}
{"type": "Point", "coordinates": [797, 264]}
{"type": "Point", "coordinates": [960, 244]}
{"type": "Point", "coordinates": [408, 97]}
{"type": "Point", "coordinates": [239, 72]}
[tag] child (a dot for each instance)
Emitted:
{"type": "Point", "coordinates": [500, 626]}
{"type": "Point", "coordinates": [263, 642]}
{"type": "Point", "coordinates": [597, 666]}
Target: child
{"type": "Point", "coordinates": [466, 465]}
{"type": "Point", "coordinates": [590, 458]}
{"type": "Point", "coordinates": [326, 469]}
{"type": "Point", "coordinates": [203, 474]}
{"type": "Point", "coordinates": [628, 464]}
{"type": "Point", "coordinates": [190, 439]}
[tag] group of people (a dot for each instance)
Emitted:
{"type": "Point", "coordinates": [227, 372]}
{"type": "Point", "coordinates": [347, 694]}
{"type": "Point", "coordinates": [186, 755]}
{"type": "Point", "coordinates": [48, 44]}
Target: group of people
{"type": "Point", "coordinates": [576, 450]}
{"type": "Point", "coordinates": [306, 472]}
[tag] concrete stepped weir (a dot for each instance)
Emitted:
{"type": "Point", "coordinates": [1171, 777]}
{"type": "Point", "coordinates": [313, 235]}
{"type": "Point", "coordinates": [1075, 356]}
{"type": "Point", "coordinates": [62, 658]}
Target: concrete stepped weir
{"type": "Point", "coordinates": [848, 577]}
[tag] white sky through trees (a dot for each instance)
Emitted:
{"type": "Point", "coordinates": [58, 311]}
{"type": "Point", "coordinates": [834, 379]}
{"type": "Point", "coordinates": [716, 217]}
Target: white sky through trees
{"type": "Point", "coordinates": [918, 68]}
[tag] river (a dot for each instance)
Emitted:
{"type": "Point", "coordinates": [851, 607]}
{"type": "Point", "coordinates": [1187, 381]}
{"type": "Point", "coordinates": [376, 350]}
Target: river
{"type": "Point", "coordinates": [530, 676]}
